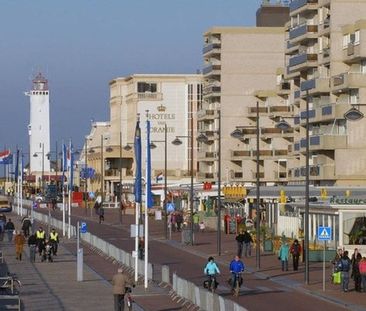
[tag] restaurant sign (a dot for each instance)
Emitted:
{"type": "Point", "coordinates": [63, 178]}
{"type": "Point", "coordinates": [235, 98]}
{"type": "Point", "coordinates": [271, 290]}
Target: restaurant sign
{"type": "Point", "coordinates": [347, 201]}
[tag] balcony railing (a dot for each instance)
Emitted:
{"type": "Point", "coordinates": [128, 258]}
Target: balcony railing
{"type": "Point", "coordinates": [210, 47]}
{"type": "Point", "coordinates": [209, 68]}
{"type": "Point", "coordinates": [297, 4]}
{"type": "Point", "coordinates": [302, 30]}
{"type": "Point", "coordinates": [307, 85]}
{"type": "Point", "coordinates": [302, 58]}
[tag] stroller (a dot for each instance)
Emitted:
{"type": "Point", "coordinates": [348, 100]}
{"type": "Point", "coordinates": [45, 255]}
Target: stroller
{"type": "Point", "coordinates": [47, 253]}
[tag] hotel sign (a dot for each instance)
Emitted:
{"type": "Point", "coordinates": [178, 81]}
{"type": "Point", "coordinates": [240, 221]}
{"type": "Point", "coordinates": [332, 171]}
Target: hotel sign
{"type": "Point", "coordinates": [347, 201]}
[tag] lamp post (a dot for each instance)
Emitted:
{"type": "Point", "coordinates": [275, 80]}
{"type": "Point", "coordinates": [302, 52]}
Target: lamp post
{"type": "Point", "coordinates": [178, 142]}
{"type": "Point", "coordinates": [35, 155]}
{"type": "Point", "coordinates": [204, 139]}
{"type": "Point", "coordinates": [153, 146]}
{"type": "Point", "coordinates": [237, 133]}
{"type": "Point", "coordinates": [283, 125]}
{"type": "Point", "coordinates": [120, 178]}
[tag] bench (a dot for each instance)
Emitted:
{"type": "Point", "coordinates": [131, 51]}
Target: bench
{"type": "Point", "coordinates": [9, 302]}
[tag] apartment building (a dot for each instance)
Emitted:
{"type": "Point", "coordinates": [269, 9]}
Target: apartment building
{"type": "Point", "coordinates": [325, 63]}
{"type": "Point", "coordinates": [238, 61]}
{"type": "Point", "coordinates": [169, 101]}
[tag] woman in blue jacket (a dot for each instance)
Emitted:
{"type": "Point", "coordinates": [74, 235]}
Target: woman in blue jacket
{"type": "Point", "coordinates": [211, 269]}
{"type": "Point", "coordinates": [283, 256]}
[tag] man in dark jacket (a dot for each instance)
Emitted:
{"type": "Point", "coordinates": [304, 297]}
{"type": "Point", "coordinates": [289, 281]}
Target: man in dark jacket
{"type": "Point", "coordinates": [239, 242]}
{"type": "Point", "coordinates": [344, 267]}
{"type": "Point", "coordinates": [9, 228]}
{"type": "Point", "coordinates": [32, 243]}
{"type": "Point", "coordinates": [26, 224]}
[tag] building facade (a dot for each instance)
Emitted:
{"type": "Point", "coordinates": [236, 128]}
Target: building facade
{"type": "Point", "coordinates": [169, 102]}
{"type": "Point", "coordinates": [325, 63]}
{"type": "Point", "coordinates": [238, 62]}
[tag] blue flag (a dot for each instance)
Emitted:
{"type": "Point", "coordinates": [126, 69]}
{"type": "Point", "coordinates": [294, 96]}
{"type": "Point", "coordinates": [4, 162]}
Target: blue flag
{"type": "Point", "coordinates": [149, 199]}
{"type": "Point", "coordinates": [70, 164]}
{"type": "Point", "coordinates": [17, 167]}
{"type": "Point", "coordinates": [64, 158]}
{"type": "Point", "coordinates": [137, 146]}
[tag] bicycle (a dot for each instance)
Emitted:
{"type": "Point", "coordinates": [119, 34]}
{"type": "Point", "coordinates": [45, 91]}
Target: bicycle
{"type": "Point", "coordinates": [237, 283]}
{"type": "Point", "coordinates": [128, 298]}
{"type": "Point", "coordinates": [10, 284]}
{"type": "Point", "coordinates": [212, 283]}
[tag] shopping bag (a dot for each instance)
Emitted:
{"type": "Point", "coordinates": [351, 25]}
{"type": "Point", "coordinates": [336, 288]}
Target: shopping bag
{"type": "Point", "coordinates": [337, 277]}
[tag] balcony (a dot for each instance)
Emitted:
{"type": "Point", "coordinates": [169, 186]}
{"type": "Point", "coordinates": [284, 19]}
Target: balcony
{"type": "Point", "coordinates": [296, 6]}
{"type": "Point", "coordinates": [211, 70]}
{"type": "Point", "coordinates": [208, 114]}
{"type": "Point", "coordinates": [316, 172]}
{"type": "Point", "coordinates": [239, 154]}
{"type": "Point", "coordinates": [207, 156]}
{"type": "Point", "coordinates": [303, 32]}
{"type": "Point", "coordinates": [280, 111]}
{"type": "Point", "coordinates": [303, 61]}
{"type": "Point", "coordinates": [324, 142]}
{"type": "Point", "coordinates": [329, 113]}
{"type": "Point", "coordinates": [291, 48]}
{"type": "Point", "coordinates": [280, 176]}
{"type": "Point", "coordinates": [349, 80]}
{"type": "Point", "coordinates": [211, 48]}
{"type": "Point", "coordinates": [354, 53]}
{"type": "Point", "coordinates": [252, 111]}
{"type": "Point", "coordinates": [212, 90]}
{"type": "Point", "coordinates": [275, 132]}
{"type": "Point", "coordinates": [283, 88]}
{"type": "Point", "coordinates": [315, 86]}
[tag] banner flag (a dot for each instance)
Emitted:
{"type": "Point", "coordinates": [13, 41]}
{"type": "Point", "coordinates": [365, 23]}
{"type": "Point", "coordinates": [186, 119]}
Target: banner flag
{"type": "Point", "coordinates": [138, 177]}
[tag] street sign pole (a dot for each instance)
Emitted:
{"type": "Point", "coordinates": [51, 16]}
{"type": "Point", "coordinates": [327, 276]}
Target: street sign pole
{"type": "Point", "coordinates": [325, 246]}
{"type": "Point", "coordinates": [79, 256]}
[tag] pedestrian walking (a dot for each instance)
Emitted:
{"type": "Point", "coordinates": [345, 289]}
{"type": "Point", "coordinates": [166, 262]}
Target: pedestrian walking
{"type": "Point", "coordinates": [173, 221]}
{"type": "Point", "coordinates": [54, 240]}
{"type": "Point", "coordinates": [283, 256]}
{"type": "Point", "coordinates": [41, 239]}
{"type": "Point", "coordinates": [239, 242]}
{"type": "Point", "coordinates": [26, 225]}
{"type": "Point", "coordinates": [362, 268]}
{"type": "Point", "coordinates": [101, 214]}
{"type": "Point", "coordinates": [356, 275]}
{"type": "Point", "coordinates": [295, 251]}
{"type": "Point", "coordinates": [196, 221]}
{"type": "Point", "coordinates": [247, 244]}
{"type": "Point", "coordinates": [19, 244]}
{"type": "Point", "coordinates": [120, 281]}
{"type": "Point", "coordinates": [179, 220]}
{"type": "Point", "coordinates": [9, 229]}
{"type": "Point", "coordinates": [344, 267]}
{"type": "Point", "coordinates": [32, 244]}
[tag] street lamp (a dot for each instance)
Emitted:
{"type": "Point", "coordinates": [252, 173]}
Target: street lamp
{"type": "Point", "coordinates": [354, 114]}
{"type": "Point", "coordinates": [284, 126]}
{"type": "Point", "coordinates": [153, 146]}
{"type": "Point", "coordinates": [238, 134]}
{"type": "Point", "coordinates": [35, 155]}
{"type": "Point", "coordinates": [178, 142]}
{"type": "Point", "coordinates": [202, 138]}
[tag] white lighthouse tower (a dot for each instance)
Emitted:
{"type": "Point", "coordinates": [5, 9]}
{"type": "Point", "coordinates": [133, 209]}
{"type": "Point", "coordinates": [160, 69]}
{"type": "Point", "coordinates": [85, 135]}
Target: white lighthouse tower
{"type": "Point", "coordinates": [39, 127]}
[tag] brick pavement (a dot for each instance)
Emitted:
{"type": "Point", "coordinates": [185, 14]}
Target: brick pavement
{"type": "Point", "coordinates": [188, 261]}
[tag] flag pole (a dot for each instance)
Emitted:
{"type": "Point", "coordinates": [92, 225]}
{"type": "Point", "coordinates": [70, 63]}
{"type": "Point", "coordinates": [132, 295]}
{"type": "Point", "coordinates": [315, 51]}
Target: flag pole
{"type": "Point", "coordinates": [21, 186]}
{"type": "Point", "coordinates": [137, 239]}
{"type": "Point", "coordinates": [70, 192]}
{"type": "Point", "coordinates": [63, 190]}
{"type": "Point", "coordinates": [147, 197]}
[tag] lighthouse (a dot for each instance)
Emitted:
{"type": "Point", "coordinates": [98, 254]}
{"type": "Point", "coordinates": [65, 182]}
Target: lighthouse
{"type": "Point", "coordinates": [39, 127]}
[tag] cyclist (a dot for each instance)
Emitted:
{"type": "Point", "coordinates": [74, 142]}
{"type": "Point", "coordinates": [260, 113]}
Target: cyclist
{"type": "Point", "coordinates": [211, 269]}
{"type": "Point", "coordinates": [236, 268]}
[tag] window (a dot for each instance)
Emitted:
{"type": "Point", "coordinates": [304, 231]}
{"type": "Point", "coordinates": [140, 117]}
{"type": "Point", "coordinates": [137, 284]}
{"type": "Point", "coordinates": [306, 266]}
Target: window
{"type": "Point", "coordinates": [345, 41]}
{"type": "Point", "coordinates": [357, 37]}
{"type": "Point", "coordinates": [363, 67]}
{"type": "Point", "coordinates": [143, 87]}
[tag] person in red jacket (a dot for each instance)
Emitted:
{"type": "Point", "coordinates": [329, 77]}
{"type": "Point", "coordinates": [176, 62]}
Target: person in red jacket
{"type": "Point", "coordinates": [295, 251]}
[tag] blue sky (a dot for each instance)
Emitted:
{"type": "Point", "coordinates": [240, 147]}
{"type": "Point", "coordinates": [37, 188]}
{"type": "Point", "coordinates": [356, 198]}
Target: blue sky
{"type": "Point", "coordinates": [81, 45]}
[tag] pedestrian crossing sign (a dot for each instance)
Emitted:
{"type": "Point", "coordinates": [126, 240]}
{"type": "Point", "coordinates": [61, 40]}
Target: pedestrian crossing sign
{"type": "Point", "coordinates": [324, 233]}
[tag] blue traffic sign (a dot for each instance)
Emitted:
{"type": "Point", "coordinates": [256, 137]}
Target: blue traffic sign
{"type": "Point", "coordinates": [83, 227]}
{"type": "Point", "coordinates": [324, 233]}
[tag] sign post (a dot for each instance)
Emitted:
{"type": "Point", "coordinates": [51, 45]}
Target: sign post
{"type": "Point", "coordinates": [324, 234]}
{"type": "Point", "coordinates": [81, 228]}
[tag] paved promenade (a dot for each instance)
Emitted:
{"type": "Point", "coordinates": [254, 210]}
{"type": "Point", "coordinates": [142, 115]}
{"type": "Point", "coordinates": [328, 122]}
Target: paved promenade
{"type": "Point", "coordinates": [285, 290]}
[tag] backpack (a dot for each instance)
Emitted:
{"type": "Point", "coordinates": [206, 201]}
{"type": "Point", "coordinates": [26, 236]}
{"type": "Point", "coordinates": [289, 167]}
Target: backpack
{"type": "Point", "coordinates": [362, 267]}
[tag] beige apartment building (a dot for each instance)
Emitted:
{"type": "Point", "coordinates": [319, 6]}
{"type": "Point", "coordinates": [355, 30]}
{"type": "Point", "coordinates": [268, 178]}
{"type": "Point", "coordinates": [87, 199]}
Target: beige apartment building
{"type": "Point", "coordinates": [326, 66]}
{"type": "Point", "coordinates": [169, 101]}
{"type": "Point", "coordinates": [239, 61]}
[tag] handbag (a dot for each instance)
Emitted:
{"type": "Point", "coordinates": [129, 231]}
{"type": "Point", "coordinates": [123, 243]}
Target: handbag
{"type": "Point", "coordinates": [336, 276]}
